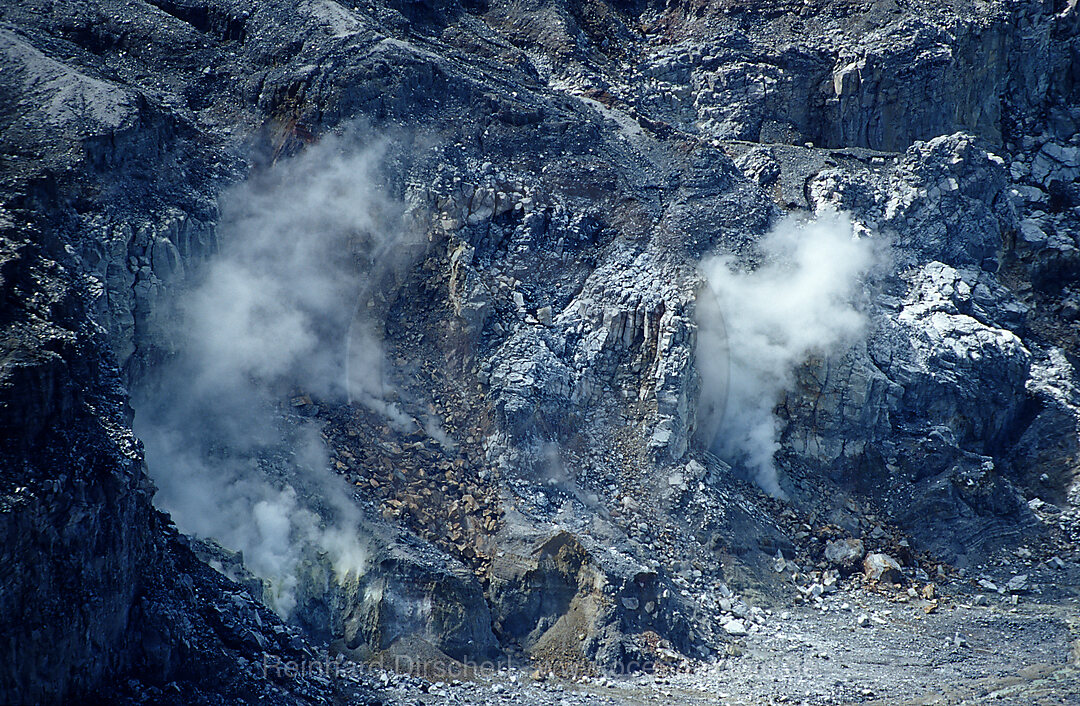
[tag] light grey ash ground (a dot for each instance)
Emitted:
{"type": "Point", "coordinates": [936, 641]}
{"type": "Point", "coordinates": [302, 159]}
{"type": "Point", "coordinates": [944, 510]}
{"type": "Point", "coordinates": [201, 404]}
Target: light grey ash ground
{"type": "Point", "coordinates": [969, 651]}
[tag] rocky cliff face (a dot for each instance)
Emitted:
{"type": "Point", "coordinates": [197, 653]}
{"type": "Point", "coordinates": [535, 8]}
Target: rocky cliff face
{"type": "Point", "coordinates": [534, 469]}
{"type": "Point", "coordinates": [96, 581]}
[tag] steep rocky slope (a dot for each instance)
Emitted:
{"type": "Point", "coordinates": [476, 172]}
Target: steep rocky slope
{"type": "Point", "coordinates": [417, 304]}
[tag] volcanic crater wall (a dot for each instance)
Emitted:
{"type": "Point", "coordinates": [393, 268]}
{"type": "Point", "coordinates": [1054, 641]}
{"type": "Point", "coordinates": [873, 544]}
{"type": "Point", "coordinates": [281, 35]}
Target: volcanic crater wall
{"type": "Point", "coordinates": [581, 183]}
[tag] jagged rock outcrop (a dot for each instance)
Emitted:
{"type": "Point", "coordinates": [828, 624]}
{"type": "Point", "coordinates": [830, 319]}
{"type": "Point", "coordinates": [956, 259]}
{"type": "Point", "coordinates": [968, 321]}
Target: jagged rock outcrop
{"type": "Point", "coordinates": [566, 598]}
{"type": "Point", "coordinates": [96, 582]}
{"type": "Point", "coordinates": [407, 593]}
{"type": "Point", "coordinates": [944, 373]}
{"type": "Point", "coordinates": [803, 78]}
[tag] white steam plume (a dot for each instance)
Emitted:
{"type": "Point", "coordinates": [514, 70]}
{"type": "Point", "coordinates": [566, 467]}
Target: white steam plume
{"type": "Point", "coordinates": [763, 323]}
{"type": "Point", "coordinates": [303, 247]}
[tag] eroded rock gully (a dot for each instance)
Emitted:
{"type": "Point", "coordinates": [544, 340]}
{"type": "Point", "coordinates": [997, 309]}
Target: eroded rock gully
{"type": "Point", "coordinates": [500, 436]}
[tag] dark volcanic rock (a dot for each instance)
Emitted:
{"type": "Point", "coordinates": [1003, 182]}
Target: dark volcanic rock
{"type": "Point", "coordinates": [96, 582]}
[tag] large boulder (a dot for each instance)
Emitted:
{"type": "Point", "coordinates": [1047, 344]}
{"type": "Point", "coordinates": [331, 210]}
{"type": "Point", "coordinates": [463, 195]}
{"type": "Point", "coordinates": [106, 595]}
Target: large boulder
{"type": "Point", "coordinates": [882, 568]}
{"type": "Point", "coordinates": [845, 554]}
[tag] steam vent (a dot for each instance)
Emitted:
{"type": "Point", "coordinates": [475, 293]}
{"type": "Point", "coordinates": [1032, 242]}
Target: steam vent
{"type": "Point", "coordinates": [539, 352]}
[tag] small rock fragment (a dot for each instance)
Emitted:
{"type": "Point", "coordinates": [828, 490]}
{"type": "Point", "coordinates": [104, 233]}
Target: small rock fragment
{"type": "Point", "coordinates": [1017, 584]}
{"type": "Point", "coordinates": [735, 628]}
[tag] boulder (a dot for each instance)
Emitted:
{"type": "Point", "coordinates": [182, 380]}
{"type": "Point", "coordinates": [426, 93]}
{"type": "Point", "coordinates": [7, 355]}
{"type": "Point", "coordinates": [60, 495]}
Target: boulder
{"type": "Point", "coordinates": [845, 554]}
{"type": "Point", "coordinates": [735, 628]}
{"type": "Point", "coordinates": [882, 568]}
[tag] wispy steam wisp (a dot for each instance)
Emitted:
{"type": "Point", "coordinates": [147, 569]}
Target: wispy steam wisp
{"type": "Point", "coordinates": [275, 313]}
{"type": "Point", "coordinates": [765, 322]}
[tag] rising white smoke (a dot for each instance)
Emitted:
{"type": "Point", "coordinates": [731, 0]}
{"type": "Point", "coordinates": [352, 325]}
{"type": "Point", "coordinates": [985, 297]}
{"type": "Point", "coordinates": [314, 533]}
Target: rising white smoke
{"type": "Point", "coordinates": [275, 314]}
{"type": "Point", "coordinates": [759, 325]}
